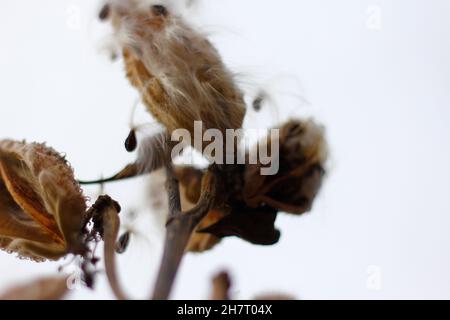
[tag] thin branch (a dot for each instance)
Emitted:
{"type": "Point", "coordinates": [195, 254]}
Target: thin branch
{"type": "Point", "coordinates": [221, 285]}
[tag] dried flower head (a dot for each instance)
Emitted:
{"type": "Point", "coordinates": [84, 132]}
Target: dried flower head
{"type": "Point", "coordinates": [178, 72]}
{"type": "Point", "coordinates": [41, 204]}
{"type": "Point", "coordinates": [303, 153]}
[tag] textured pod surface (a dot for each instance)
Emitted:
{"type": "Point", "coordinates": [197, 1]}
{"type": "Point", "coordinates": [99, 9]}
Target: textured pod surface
{"type": "Point", "coordinates": [41, 204]}
{"type": "Point", "coordinates": [178, 72]}
{"type": "Point", "coordinates": [303, 154]}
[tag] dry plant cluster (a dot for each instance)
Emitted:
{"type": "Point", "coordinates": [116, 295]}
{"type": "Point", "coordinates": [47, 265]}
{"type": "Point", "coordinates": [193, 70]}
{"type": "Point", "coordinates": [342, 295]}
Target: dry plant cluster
{"type": "Point", "coordinates": [181, 79]}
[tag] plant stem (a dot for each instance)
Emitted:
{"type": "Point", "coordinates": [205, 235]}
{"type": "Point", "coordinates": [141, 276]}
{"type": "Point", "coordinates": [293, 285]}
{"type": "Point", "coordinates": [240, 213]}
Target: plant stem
{"type": "Point", "coordinates": [180, 227]}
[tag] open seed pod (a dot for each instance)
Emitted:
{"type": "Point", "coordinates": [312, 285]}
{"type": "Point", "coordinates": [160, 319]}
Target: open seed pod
{"type": "Point", "coordinates": [302, 157]}
{"type": "Point", "coordinates": [190, 187]}
{"type": "Point", "coordinates": [48, 288]}
{"type": "Point", "coordinates": [41, 205]}
{"type": "Point", "coordinates": [234, 219]}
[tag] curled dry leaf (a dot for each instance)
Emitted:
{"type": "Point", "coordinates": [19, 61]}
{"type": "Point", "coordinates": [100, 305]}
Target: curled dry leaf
{"type": "Point", "coordinates": [52, 288]}
{"type": "Point", "coordinates": [256, 226]}
{"type": "Point", "coordinates": [41, 204]}
{"type": "Point", "coordinates": [190, 180]}
{"type": "Point", "coordinates": [303, 153]}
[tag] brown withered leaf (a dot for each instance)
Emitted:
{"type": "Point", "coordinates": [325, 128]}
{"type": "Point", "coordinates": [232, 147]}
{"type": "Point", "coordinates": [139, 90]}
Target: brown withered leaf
{"type": "Point", "coordinates": [256, 226]}
{"type": "Point", "coordinates": [51, 288]}
{"type": "Point", "coordinates": [303, 153]}
{"type": "Point", "coordinates": [201, 242]}
{"type": "Point", "coordinates": [190, 180]}
{"type": "Point", "coordinates": [41, 204]}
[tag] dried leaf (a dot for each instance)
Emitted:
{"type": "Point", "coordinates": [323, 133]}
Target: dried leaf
{"type": "Point", "coordinates": [52, 288]}
{"type": "Point", "coordinates": [303, 153]}
{"type": "Point", "coordinates": [41, 204]}
{"type": "Point", "coordinates": [190, 180]}
{"type": "Point", "coordinates": [256, 226]}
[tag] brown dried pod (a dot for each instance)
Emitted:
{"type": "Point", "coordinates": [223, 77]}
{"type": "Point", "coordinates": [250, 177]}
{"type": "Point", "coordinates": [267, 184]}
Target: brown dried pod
{"type": "Point", "coordinates": [256, 226]}
{"type": "Point", "coordinates": [178, 72]}
{"type": "Point", "coordinates": [42, 208]}
{"type": "Point", "coordinates": [302, 157]}
{"type": "Point", "coordinates": [190, 180]}
{"type": "Point", "coordinates": [51, 288]}
{"type": "Point", "coordinates": [234, 219]}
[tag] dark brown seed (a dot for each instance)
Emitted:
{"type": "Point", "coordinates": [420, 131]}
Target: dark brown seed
{"type": "Point", "coordinates": [131, 141]}
{"type": "Point", "coordinates": [159, 10]}
{"type": "Point", "coordinates": [123, 242]}
{"type": "Point", "coordinates": [257, 103]}
{"type": "Point", "coordinates": [104, 13]}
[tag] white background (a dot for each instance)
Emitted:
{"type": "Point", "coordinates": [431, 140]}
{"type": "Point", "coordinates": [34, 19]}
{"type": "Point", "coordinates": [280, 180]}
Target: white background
{"type": "Point", "coordinates": [376, 73]}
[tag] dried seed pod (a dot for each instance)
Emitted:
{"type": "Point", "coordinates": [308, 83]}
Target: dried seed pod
{"type": "Point", "coordinates": [203, 241]}
{"type": "Point", "coordinates": [190, 187]}
{"type": "Point", "coordinates": [256, 226]}
{"type": "Point", "coordinates": [179, 73]}
{"type": "Point", "coordinates": [52, 288]}
{"type": "Point", "coordinates": [42, 208]}
{"type": "Point", "coordinates": [303, 153]}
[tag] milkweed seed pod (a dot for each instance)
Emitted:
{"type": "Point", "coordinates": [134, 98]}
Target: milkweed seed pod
{"type": "Point", "coordinates": [302, 156]}
{"type": "Point", "coordinates": [51, 288]}
{"type": "Point", "coordinates": [178, 72]}
{"type": "Point", "coordinates": [41, 204]}
{"type": "Point", "coordinates": [231, 219]}
{"type": "Point", "coordinates": [190, 180]}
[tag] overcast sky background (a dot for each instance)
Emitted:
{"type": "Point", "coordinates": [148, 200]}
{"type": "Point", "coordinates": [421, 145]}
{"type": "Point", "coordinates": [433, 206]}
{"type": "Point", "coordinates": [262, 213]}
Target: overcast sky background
{"type": "Point", "coordinates": [375, 73]}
